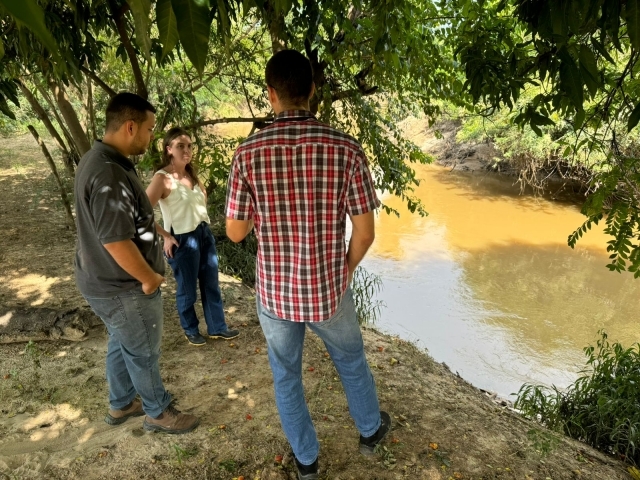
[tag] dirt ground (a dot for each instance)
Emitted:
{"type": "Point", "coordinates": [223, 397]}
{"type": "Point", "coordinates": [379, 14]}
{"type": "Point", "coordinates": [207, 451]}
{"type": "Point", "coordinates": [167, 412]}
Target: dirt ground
{"type": "Point", "coordinates": [53, 391]}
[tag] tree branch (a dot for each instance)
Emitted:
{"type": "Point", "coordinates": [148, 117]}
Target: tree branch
{"type": "Point", "coordinates": [98, 81]}
{"type": "Point", "coordinates": [353, 93]}
{"type": "Point", "coordinates": [216, 121]}
{"type": "Point", "coordinates": [118, 18]}
{"type": "Point", "coordinates": [54, 170]}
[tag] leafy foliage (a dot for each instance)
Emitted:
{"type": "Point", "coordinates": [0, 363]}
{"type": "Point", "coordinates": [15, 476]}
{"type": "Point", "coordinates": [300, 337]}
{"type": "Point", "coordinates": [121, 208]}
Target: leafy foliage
{"type": "Point", "coordinates": [365, 287]}
{"type": "Point", "coordinates": [582, 57]}
{"type": "Point", "coordinates": [600, 408]}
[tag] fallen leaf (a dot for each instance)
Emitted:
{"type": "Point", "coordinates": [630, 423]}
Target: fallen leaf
{"type": "Point", "coordinates": [231, 345]}
{"type": "Point", "coordinates": [257, 350]}
{"type": "Point", "coordinates": [278, 459]}
{"type": "Point", "coordinates": [222, 427]}
{"type": "Point", "coordinates": [457, 476]}
{"type": "Point", "coordinates": [381, 349]}
{"type": "Point", "coordinates": [433, 446]}
{"type": "Point", "coordinates": [311, 369]}
{"type": "Point", "coordinates": [249, 417]}
{"type": "Point", "coordinates": [224, 360]}
{"type": "Point", "coordinates": [393, 361]}
{"type": "Point", "coordinates": [395, 440]}
{"type": "Point", "coordinates": [634, 472]}
{"type": "Point", "coordinates": [7, 376]}
{"type": "Point", "coordinates": [326, 354]}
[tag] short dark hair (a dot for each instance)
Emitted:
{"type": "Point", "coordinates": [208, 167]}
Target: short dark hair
{"type": "Point", "coordinates": [290, 74]}
{"type": "Point", "coordinates": [126, 106]}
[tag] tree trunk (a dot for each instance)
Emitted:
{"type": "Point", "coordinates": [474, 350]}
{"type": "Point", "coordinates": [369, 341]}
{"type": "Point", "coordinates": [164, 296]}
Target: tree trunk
{"type": "Point", "coordinates": [54, 170]}
{"type": "Point", "coordinates": [44, 118]}
{"type": "Point", "coordinates": [91, 110]}
{"type": "Point", "coordinates": [277, 28]}
{"type": "Point", "coordinates": [70, 118]}
{"type": "Point", "coordinates": [45, 94]}
{"type": "Point", "coordinates": [118, 18]}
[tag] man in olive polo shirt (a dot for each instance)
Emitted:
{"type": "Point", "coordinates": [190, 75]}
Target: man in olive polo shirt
{"type": "Point", "coordinates": [119, 266]}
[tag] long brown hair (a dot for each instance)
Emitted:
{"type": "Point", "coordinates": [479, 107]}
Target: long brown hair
{"type": "Point", "coordinates": [165, 158]}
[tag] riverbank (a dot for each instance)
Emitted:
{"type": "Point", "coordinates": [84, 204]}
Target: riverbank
{"type": "Point", "coordinates": [52, 393]}
{"type": "Point", "coordinates": [556, 178]}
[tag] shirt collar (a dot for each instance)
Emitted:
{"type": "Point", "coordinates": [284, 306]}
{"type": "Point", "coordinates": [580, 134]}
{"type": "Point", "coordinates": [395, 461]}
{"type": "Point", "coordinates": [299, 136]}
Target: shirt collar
{"type": "Point", "coordinates": [113, 154]}
{"type": "Point", "coordinates": [294, 115]}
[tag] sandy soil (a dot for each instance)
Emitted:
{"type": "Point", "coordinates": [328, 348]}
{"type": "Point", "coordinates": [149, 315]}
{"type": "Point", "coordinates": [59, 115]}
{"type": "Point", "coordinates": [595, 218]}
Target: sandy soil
{"type": "Point", "coordinates": [53, 391]}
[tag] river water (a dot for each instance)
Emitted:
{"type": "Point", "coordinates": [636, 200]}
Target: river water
{"type": "Point", "coordinates": [489, 286]}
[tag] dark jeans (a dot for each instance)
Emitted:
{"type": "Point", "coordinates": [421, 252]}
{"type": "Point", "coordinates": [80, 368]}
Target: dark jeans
{"type": "Point", "coordinates": [196, 260]}
{"type": "Point", "coordinates": [134, 323]}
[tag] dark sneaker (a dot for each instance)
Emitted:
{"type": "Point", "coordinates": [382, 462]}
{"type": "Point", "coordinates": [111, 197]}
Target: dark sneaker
{"type": "Point", "coordinates": [226, 335]}
{"type": "Point", "coordinates": [369, 444]}
{"type": "Point", "coordinates": [171, 421]}
{"type": "Point", "coordinates": [116, 417]}
{"type": "Point", "coordinates": [307, 472]}
{"type": "Point", "coordinates": [197, 339]}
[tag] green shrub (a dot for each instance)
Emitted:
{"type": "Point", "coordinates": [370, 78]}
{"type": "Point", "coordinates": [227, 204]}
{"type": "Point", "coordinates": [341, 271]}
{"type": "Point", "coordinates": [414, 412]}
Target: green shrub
{"type": "Point", "coordinates": [601, 408]}
{"type": "Point", "coordinates": [365, 287]}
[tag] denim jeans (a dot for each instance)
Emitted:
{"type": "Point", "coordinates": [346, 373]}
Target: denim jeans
{"type": "Point", "coordinates": [342, 336]}
{"type": "Point", "coordinates": [134, 323]}
{"type": "Point", "coordinates": [195, 261]}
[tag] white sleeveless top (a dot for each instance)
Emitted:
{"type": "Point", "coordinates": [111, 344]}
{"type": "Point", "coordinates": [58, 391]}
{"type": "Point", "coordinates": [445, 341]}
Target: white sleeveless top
{"type": "Point", "coordinates": [183, 209]}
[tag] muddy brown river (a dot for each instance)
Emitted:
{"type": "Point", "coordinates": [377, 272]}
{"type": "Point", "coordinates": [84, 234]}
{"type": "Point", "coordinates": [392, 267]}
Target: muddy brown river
{"type": "Point", "coordinates": [487, 284]}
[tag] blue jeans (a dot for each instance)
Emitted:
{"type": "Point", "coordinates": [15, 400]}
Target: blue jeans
{"type": "Point", "coordinates": [134, 323]}
{"type": "Point", "coordinates": [196, 260]}
{"type": "Point", "coordinates": [342, 336]}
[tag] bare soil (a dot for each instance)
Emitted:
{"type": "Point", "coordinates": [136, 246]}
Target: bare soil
{"type": "Point", "coordinates": [53, 391]}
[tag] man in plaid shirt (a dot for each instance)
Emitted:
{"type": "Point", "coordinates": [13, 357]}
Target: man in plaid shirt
{"type": "Point", "coordinates": [296, 181]}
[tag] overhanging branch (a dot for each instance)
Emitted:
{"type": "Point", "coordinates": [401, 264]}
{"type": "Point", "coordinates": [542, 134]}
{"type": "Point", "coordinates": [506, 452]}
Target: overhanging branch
{"type": "Point", "coordinates": [217, 121]}
{"type": "Point", "coordinates": [354, 92]}
{"type": "Point", "coordinates": [98, 81]}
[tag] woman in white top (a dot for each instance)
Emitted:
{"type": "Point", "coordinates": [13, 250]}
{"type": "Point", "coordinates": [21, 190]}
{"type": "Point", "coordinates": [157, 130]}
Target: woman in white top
{"type": "Point", "coordinates": [189, 245]}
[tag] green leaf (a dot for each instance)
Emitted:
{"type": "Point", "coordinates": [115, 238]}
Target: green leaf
{"type": "Point", "coordinates": [579, 119]}
{"type": "Point", "coordinates": [570, 80]}
{"type": "Point", "coordinates": [29, 13]}
{"type": "Point", "coordinates": [4, 108]}
{"type": "Point", "coordinates": [603, 51]}
{"type": "Point", "coordinates": [634, 118]}
{"type": "Point", "coordinates": [140, 10]}
{"type": "Point", "coordinates": [167, 26]}
{"type": "Point", "coordinates": [589, 69]}
{"type": "Point", "coordinates": [633, 22]}
{"type": "Point", "coordinates": [9, 89]}
{"type": "Point", "coordinates": [194, 22]}
{"type": "Point", "coordinates": [1, 49]}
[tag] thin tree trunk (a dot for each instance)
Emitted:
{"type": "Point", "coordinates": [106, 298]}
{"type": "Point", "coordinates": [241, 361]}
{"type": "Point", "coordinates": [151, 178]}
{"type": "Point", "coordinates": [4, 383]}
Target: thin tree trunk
{"type": "Point", "coordinates": [63, 127]}
{"type": "Point", "coordinates": [118, 18]}
{"type": "Point", "coordinates": [44, 118]}
{"type": "Point", "coordinates": [54, 170]}
{"type": "Point", "coordinates": [90, 108]}
{"type": "Point", "coordinates": [98, 81]}
{"type": "Point", "coordinates": [276, 26]}
{"type": "Point", "coordinates": [70, 118]}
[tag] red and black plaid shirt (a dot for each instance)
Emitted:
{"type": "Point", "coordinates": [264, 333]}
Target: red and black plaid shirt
{"type": "Point", "coordinates": [298, 179]}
